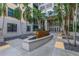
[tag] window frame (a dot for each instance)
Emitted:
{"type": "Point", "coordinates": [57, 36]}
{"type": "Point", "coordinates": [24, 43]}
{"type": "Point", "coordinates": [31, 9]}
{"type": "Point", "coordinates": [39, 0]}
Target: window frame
{"type": "Point", "coordinates": [10, 12]}
{"type": "Point", "coordinates": [11, 27]}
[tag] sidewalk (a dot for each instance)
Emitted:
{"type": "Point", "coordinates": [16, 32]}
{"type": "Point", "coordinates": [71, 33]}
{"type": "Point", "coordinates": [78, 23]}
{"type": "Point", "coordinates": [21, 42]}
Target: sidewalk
{"type": "Point", "coordinates": [48, 49]}
{"type": "Point", "coordinates": [60, 49]}
{"type": "Point", "coordinates": [16, 49]}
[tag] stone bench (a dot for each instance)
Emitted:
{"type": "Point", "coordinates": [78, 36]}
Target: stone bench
{"type": "Point", "coordinates": [29, 44]}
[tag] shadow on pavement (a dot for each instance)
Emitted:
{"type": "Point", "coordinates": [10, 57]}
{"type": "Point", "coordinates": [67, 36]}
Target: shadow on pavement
{"type": "Point", "coordinates": [71, 47]}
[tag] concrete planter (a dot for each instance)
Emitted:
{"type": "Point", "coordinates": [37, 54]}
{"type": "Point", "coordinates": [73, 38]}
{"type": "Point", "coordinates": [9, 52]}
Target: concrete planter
{"type": "Point", "coordinates": [30, 45]}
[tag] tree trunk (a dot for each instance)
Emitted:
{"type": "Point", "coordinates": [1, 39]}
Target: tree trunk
{"type": "Point", "coordinates": [68, 23]}
{"type": "Point", "coordinates": [39, 24]}
{"type": "Point", "coordinates": [20, 23]}
{"type": "Point", "coordinates": [46, 25]}
{"type": "Point", "coordinates": [75, 19]}
{"type": "Point", "coordinates": [58, 25]}
{"type": "Point", "coordinates": [62, 18]}
{"type": "Point", "coordinates": [2, 30]}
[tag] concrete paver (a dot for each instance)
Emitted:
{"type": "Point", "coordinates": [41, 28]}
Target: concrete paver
{"type": "Point", "coordinates": [47, 49]}
{"type": "Point", "coordinates": [17, 50]}
{"type": "Point", "coordinates": [60, 50]}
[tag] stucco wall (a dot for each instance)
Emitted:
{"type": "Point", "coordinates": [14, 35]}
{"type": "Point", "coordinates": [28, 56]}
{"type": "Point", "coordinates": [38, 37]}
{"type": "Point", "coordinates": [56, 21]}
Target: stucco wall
{"type": "Point", "coordinates": [14, 21]}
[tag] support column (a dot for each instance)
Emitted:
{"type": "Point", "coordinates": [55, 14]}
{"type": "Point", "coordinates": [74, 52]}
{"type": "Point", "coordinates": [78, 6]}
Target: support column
{"type": "Point", "coordinates": [32, 27]}
{"type": "Point", "coordinates": [21, 24]}
{"type": "Point", "coordinates": [46, 28]}
{"type": "Point", "coordinates": [39, 25]}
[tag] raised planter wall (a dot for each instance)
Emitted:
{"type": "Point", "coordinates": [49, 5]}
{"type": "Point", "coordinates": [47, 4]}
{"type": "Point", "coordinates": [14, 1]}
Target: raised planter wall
{"type": "Point", "coordinates": [30, 45]}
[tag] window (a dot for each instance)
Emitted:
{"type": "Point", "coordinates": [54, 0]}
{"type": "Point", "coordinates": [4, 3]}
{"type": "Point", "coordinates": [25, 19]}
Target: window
{"type": "Point", "coordinates": [35, 27]}
{"type": "Point", "coordinates": [10, 12]}
{"type": "Point", "coordinates": [11, 27]}
{"type": "Point", "coordinates": [28, 28]}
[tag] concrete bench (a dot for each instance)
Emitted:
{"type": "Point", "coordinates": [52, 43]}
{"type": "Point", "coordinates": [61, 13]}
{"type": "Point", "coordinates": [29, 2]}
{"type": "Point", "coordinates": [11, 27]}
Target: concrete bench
{"type": "Point", "coordinates": [30, 45]}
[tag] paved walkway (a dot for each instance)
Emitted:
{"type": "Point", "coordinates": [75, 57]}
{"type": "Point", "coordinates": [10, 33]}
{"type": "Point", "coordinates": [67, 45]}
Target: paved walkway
{"type": "Point", "coordinates": [60, 50]}
{"type": "Point", "coordinates": [49, 49]}
{"type": "Point", "coordinates": [15, 49]}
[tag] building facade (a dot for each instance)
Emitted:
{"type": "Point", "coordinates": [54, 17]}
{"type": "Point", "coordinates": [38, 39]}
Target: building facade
{"type": "Point", "coordinates": [13, 27]}
{"type": "Point", "coordinates": [46, 8]}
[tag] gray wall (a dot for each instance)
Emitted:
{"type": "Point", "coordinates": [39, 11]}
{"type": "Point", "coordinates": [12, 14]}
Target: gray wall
{"type": "Point", "coordinates": [15, 21]}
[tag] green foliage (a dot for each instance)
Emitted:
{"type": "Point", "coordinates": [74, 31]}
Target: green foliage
{"type": "Point", "coordinates": [71, 28]}
{"type": "Point", "coordinates": [17, 13]}
{"type": "Point", "coordinates": [27, 13]}
{"type": "Point", "coordinates": [37, 15]}
{"type": "Point", "coordinates": [4, 9]}
{"type": "Point", "coordinates": [77, 27]}
{"type": "Point", "coordinates": [0, 9]}
{"type": "Point", "coordinates": [58, 11]}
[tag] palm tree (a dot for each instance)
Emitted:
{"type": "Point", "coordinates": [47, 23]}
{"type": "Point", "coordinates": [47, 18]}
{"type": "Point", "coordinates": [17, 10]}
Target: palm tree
{"type": "Point", "coordinates": [70, 13]}
{"type": "Point", "coordinates": [58, 12]}
{"type": "Point", "coordinates": [17, 15]}
{"type": "Point", "coordinates": [75, 24]}
{"type": "Point", "coordinates": [39, 17]}
{"type": "Point", "coordinates": [66, 18]}
{"type": "Point", "coordinates": [73, 8]}
{"type": "Point", "coordinates": [27, 15]}
{"type": "Point", "coordinates": [67, 9]}
{"type": "Point", "coordinates": [2, 13]}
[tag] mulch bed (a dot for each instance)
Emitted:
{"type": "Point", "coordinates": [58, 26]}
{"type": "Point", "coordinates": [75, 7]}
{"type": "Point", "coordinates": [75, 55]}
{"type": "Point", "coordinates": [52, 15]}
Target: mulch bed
{"type": "Point", "coordinates": [70, 46]}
